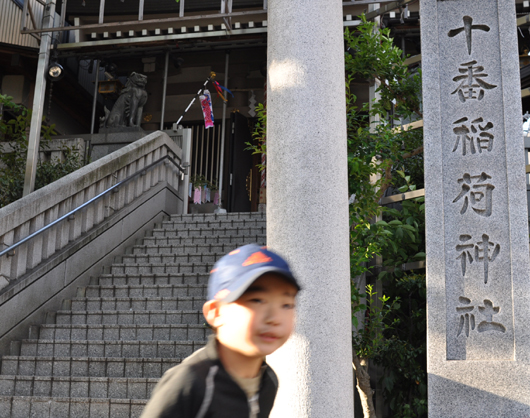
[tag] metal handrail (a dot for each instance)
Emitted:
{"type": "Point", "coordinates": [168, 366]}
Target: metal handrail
{"type": "Point", "coordinates": [182, 170]}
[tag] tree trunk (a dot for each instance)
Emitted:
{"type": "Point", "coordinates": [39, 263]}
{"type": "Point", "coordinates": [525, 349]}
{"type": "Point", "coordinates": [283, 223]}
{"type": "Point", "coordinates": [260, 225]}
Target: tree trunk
{"type": "Point", "coordinates": [360, 365]}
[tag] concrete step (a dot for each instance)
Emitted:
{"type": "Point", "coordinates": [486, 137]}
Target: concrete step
{"type": "Point", "coordinates": [219, 216]}
{"type": "Point", "coordinates": [48, 407]}
{"type": "Point", "coordinates": [170, 332]}
{"type": "Point", "coordinates": [123, 349]}
{"type": "Point", "coordinates": [161, 268]}
{"type": "Point", "coordinates": [77, 387]}
{"type": "Point", "coordinates": [203, 232]}
{"type": "Point", "coordinates": [184, 303]}
{"type": "Point", "coordinates": [86, 366]}
{"type": "Point", "coordinates": [129, 317]}
{"type": "Point", "coordinates": [184, 249]}
{"type": "Point", "coordinates": [143, 291]}
{"type": "Point", "coordinates": [234, 241]}
{"type": "Point", "coordinates": [171, 258]}
{"type": "Point", "coordinates": [213, 223]}
{"type": "Point", "coordinates": [153, 279]}
{"type": "Point", "coordinates": [102, 355]}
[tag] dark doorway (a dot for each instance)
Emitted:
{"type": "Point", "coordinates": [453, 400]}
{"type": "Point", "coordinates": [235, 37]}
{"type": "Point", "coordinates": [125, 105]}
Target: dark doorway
{"type": "Point", "coordinates": [240, 167]}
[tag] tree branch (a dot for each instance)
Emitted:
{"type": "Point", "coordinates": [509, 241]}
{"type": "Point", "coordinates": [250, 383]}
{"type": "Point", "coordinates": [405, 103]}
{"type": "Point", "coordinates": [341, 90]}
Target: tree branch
{"type": "Point", "coordinates": [417, 151]}
{"type": "Point", "coordinates": [360, 365]}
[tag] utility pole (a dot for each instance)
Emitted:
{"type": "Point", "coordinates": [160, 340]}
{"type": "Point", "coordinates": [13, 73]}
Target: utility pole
{"type": "Point", "coordinates": [38, 98]}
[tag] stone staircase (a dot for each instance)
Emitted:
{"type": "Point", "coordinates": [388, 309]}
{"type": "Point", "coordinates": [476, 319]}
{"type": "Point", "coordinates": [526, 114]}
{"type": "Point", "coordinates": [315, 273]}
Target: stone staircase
{"type": "Point", "coordinates": [103, 353]}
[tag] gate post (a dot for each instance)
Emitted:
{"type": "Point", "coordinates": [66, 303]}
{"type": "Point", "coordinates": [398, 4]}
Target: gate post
{"type": "Point", "coordinates": [307, 203]}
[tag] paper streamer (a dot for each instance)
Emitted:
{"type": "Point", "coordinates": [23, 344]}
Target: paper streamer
{"type": "Point", "coordinates": [203, 196]}
{"type": "Point", "coordinates": [216, 198]}
{"type": "Point", "coordinates": [197, 195]}
{"type": "Point", "coordinates": [207, 109]}
{"type": "Point", "coordinates": [190, 190]}
{"type": "Point", "coordinates": [208, 194]}
{"type": "Point", "coordinates": [220, 89]}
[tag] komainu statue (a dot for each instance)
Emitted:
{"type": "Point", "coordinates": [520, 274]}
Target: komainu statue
{"type": "Point", "coordinates": [127, 111]}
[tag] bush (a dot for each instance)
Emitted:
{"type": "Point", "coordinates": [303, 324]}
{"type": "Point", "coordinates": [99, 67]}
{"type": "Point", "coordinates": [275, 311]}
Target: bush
{"type": "Point", "coordinates": [14, 149]}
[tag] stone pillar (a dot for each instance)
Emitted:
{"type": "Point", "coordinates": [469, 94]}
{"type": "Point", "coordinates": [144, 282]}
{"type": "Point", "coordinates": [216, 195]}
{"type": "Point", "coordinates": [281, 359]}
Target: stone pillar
{"type": "Point", "coordinates": [476, 212]}
{"type": "Point", "coordinates": [307, 203]}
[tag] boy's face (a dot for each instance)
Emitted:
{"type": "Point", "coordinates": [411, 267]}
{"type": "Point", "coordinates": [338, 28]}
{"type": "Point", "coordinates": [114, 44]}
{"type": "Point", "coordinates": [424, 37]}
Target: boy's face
{"type": "Point", "coordinates": [261, 320]}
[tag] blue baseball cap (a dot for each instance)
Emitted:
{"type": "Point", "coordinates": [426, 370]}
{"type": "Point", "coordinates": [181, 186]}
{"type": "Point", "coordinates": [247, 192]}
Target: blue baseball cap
{"type": "Point", "coordinates": [235, 272]}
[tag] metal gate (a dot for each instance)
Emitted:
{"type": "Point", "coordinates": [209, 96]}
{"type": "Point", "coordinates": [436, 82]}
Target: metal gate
{"type": "Point", "coordinates": [205, 152]}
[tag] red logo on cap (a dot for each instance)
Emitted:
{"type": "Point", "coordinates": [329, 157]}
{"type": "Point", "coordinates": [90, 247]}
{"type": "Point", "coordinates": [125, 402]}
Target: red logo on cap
{"type": "Point", "coordinates": [256, 258]}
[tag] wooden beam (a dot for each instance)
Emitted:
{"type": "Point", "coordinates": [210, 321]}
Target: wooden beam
{"type": "Point", "coordinates": [523, 19]}
{"type": "Point", "coordinates": [63, 13]}
{"type": "Point", "coordinates": [24, 15]}
{"type": "Point", "coordinates": [182, 18]}
{"type": "Point", "coordinates": [141, 10]}
{"type": "Point", "coordinates": [146, 22]}
{"type": "Point", "coordinates": [413, 265]}
{"type": "Point", "coordinates": [402, 196]}
{"type": "Point", "coordinates": [31, 15]}
{"type": "Point", "coordinates": [101, 11]}
{"type": "Point", "coordinates": [181, 8]}
{"type": "Point", "coordinates": [412, 60]}
{"type": "Point", "coordinates": [387, 8]}
{"type": "Point", "coordinates": [409, 126]}
{"type": "Point", "coordinates": [356, 2]}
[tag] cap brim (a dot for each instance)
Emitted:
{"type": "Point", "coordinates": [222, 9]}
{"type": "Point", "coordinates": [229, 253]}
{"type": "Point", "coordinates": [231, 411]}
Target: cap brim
{"type": "Point", "coordinates": [243, 283]}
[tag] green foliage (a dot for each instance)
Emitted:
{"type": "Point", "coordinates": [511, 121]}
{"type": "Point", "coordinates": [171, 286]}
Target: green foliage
{"type": "Point", "coordinates": [200, 181]}
{"type": "Point", "coordinates": [404, 355]}
{"type": "Point", "coordinates": [396, 335]}
{"type": "Point", "coordinates": [375, 145]}
{"type": "Point", "coordinates": [369, 339]}
{"type": "Point", "coordinates": [381, 158]}
{"type": "Point", "coordinates": [404, 229]}
{"type": "Point", "coordinates": [14, 149]}
{"type": "Point", "coordinates": [259, 145]}
{"type": "Point", "coordinates": [373, 56]}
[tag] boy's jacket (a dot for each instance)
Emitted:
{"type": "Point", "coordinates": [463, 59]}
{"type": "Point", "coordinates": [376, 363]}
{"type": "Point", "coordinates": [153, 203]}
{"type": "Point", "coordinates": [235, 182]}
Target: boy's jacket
{"type": "Point", "coordinates": [200, 387]}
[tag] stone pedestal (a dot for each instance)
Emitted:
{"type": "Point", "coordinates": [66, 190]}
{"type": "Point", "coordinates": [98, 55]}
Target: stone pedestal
{"type": "Point", "coordinates": [307, 203]}
{"type": "Point", "coordinates": [109, 140]}
{"type": "Point", "coordinates": [476, 213]}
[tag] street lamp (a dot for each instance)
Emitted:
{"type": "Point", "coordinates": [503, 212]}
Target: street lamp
{"type": "Point", "coordinates": [55, 71]}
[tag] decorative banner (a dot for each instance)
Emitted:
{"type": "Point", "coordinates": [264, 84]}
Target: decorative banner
{"type": "Point", "coordinates": [190, 190]}
{"type": "Point", "coordinates": [197, 195]}
{"type": "Point", "coordinates": [207, 194]}
{"type": "Point", "coordinates": [203, 195]}
{"type": "Point", "coordinates": [252, 104]}
{"type": "Point", "coordinates": [207, 109]}
{"type": "Point", "coordinates": [220, 89]}
{"type": "Point", "coordinates": [216, 198]}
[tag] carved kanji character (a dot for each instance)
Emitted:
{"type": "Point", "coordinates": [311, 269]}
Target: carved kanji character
{"type": "Point", "coordinates": [488, 310]}
{"type": "Point", "coordinates": [472, 82]}
{"type": "Point", "coordinates": [482, 253]}
{"type": "Point", "coordinates": [467, 318]}
{"type": "Point", "coordinates": [465, 255]}
{"type": "Point", "coordinates": [468, 28]}
{"type": "Point", "coordinates": [476, 190]}
{"type": "Point", "coordinates": [468, 134]}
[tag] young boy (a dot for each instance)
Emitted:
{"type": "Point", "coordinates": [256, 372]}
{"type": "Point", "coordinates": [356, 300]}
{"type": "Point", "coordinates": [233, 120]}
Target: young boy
{"type": "Point", "coordinates": [251, 306]}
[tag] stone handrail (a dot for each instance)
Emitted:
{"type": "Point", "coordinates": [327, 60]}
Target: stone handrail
{"type": "Point", "coordinates": [31, 213]}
